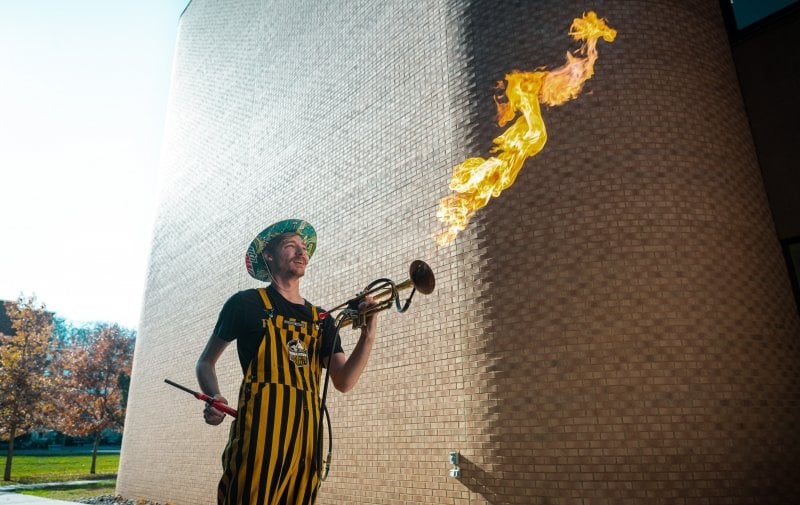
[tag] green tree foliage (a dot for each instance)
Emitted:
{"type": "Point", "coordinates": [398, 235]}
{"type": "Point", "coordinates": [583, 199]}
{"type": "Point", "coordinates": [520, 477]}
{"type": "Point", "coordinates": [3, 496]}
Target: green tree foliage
{"type": "Point", "coordinates": [94, 373]}
{"type": "Point", "coordinates": [25, 384]}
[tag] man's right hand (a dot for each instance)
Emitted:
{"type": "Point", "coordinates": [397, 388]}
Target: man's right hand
{"type": "Point", "coordinates": [211, 415]}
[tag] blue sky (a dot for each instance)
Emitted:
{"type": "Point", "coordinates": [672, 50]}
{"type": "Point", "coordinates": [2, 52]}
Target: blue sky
{"type": "Point", "coordinates": [84, 86]}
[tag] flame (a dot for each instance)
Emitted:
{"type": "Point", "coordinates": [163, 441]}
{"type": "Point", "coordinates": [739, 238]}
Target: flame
{"type": "Point", "coordinates": [477, 180]}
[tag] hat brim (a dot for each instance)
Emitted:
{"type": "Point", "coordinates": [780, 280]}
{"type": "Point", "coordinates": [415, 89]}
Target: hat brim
{"type": "Point", "coordinates": [254, 259]}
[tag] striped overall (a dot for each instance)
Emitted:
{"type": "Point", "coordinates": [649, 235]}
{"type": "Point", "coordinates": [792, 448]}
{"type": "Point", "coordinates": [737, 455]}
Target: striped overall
{"type": "Point", "coordinates": [269, 458]}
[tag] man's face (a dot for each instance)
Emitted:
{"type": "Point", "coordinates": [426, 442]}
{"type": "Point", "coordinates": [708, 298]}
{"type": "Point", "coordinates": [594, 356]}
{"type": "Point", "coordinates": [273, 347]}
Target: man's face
{"type": "Point", "coordinates": [290, 257]}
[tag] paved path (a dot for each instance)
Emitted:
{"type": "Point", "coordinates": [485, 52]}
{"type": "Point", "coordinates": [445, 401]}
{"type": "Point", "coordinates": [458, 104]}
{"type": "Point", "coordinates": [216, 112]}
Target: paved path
{"type": "Point", "coordinates": [8, 498]}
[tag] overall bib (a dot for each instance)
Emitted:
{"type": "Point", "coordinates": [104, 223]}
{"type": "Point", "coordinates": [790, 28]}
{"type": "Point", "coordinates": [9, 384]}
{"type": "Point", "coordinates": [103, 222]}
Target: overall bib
{"type": "Point", "coordinates": [270, 458]}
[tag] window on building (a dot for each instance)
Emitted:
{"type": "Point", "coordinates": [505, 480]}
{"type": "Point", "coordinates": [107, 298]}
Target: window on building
{"type": "Point", "coordinates": [743, 16]}
{"type": "Point", "coordinates": [749, 12]}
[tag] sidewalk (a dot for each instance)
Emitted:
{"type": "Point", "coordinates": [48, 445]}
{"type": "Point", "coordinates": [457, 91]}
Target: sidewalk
{"type": "Point", "coordinates": [8, 496]}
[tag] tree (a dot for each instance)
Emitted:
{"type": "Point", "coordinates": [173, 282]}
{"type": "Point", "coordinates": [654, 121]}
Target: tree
{"type": "Point", "coordinates": [24, 378]}
{"type": "Point", "coordinates": [93, 373]}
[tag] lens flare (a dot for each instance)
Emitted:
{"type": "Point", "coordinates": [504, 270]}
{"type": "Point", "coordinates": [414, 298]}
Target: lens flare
{"type": "Point", "coordinates": [477, 180]}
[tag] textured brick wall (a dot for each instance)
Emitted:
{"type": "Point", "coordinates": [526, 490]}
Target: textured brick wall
{"type": "Point", "coordinates": [617, 327]}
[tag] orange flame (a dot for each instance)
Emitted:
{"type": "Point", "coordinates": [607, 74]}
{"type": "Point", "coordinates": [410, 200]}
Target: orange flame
{"type": "Point", "coordinates": [476, 180]}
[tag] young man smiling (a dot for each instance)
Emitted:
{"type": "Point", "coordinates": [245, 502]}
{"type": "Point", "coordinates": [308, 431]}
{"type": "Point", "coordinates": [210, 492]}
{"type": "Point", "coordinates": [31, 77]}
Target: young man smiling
{"type": "Point", "coordinates": [282, 346]}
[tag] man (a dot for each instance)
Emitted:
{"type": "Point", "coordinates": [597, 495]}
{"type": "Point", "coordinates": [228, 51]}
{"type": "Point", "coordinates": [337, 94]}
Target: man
{"type": "Point", "coordinates": [283, 346]}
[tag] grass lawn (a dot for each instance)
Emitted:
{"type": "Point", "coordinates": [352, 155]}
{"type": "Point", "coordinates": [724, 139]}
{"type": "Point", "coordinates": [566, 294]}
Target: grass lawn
{"type": "Point", "coordinates": [29, 469]}
{"type": "Point", "coordinates": [60, 467]}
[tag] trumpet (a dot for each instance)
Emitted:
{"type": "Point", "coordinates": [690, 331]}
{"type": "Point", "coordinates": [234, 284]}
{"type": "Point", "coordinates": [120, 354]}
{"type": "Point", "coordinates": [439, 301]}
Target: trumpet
{"type": "Point", "coordinates": [385, 293]}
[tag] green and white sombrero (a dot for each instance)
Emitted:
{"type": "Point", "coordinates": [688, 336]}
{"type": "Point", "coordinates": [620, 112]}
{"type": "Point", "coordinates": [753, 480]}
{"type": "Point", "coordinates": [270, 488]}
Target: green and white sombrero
{"type": "Point", "coordinates": [254, 259]}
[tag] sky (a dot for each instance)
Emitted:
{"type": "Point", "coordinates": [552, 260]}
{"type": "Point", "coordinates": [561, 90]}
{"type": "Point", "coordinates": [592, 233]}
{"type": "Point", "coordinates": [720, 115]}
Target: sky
{"type": "Point", "coordinates": [84, 86]}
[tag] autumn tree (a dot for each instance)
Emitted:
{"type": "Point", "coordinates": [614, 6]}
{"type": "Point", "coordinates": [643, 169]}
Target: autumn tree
{"type": "Point", "coordinates": [24, 378]}
{"type": "Point", "coordinates": [93, 373]}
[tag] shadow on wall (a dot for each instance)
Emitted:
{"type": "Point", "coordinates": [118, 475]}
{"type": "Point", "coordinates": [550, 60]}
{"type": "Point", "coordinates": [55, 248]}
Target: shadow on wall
{"type": "Point", "coordinates": [615, 331]}
{"type": "Point", "coordinates": [486, 484]}
{"type": "Point", "coordinates": [478, 481]}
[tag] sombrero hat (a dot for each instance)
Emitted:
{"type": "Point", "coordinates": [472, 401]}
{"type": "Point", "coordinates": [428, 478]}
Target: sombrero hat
{"type": "Point", "coordinates": [254, 260]}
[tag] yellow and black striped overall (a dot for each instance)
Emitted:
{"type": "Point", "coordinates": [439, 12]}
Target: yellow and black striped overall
{"type": "Point", "coordinates": [269, 459]}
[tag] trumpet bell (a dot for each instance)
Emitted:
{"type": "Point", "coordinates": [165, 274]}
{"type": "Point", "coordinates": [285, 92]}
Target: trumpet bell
{"type": "Point", "coordinates": [422, 277]}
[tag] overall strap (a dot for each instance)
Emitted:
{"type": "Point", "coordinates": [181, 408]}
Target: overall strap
{"type": "Point", "coordinates": [265, 298]}
{"type": "Point", "coordinates": [249, 374]}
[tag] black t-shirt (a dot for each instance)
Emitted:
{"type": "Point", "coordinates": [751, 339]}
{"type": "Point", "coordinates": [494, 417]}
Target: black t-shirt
{"type": "Point", "coordinates": [241, 320]}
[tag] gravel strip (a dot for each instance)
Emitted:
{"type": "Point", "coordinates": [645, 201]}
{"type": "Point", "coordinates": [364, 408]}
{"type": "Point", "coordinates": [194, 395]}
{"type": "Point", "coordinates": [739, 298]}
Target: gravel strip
{"type": "Point", "coordinates": [116, 500]}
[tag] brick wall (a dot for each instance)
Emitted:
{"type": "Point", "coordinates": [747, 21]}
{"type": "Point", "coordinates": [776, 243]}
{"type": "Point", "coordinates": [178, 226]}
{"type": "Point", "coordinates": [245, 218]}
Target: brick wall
{"type": "Point", "coordinates": [617, 327]}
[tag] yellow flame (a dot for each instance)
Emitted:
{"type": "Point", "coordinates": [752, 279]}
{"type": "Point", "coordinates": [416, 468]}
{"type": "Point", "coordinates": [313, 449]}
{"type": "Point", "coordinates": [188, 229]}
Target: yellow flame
{"type": "Point", "coordinates": [476, 180]}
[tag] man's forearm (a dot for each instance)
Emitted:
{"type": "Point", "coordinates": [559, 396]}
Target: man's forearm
{"type": "Point", "coordinates": [207, 378]}
{"type": "Point", "coordinates": [206, 363]}
{"type": "Point", "coordinates": [352, 369]}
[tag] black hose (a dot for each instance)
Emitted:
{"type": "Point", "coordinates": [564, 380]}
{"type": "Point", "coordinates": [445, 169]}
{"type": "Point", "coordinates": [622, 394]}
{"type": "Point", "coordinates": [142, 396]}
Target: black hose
{"type": "Point", "coordinates": [323, 473]}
